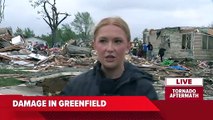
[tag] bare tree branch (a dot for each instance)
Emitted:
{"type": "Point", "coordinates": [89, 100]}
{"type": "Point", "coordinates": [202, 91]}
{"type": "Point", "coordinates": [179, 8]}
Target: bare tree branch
{"type": "Point", "coordinates": [66, 15]}
{"type": "Point", "coordinates": [2, 7]}
{"type": "Point", "coordinates": [51, 16]}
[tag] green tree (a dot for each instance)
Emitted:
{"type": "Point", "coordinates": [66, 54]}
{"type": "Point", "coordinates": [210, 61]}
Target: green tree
{"type": "Point", "coordinates": [66, 33]}
{"type": "Point", "coordinates": [18, 31]}
{"type": "Point", "coordinates": [50, 15]}
{"type": "Point", "coordinates": [47, 37]}
{"type": "Point", "coordinates": [27, 32]}
{"type": "Point", "coordinates": [83, 25]}
{"type": "Point", "coordinates": [136, 41]}
{"type": "Point", "coordinates": [2, 6]}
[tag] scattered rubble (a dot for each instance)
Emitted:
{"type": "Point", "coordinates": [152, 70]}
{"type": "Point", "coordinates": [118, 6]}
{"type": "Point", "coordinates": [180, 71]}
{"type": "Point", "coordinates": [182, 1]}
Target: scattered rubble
{"type": "Point", "coordinates": [52, 71]}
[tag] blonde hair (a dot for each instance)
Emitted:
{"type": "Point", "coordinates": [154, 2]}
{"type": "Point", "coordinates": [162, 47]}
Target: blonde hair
{"type": "Point", "coordinates": [117, 21]}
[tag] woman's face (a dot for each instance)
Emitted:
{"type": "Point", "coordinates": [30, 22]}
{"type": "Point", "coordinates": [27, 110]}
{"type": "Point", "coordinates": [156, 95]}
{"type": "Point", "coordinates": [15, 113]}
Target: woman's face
{"type": "Point", "coordinates": [111, 45]}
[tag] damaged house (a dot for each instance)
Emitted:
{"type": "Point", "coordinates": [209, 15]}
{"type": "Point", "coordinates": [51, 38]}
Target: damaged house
{"type": "Point", "coordinates": [182, 42]}
{"type": "Point", "coordinates": [5, 37]}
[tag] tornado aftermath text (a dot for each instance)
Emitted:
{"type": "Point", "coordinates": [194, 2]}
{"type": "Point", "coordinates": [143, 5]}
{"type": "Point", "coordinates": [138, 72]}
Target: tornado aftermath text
{"type": "Point", "coordinates": [184, 93]}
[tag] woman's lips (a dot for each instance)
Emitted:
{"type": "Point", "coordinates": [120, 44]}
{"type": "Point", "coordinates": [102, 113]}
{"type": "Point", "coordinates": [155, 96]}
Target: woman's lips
{"type": "Point", "coordinates": [110, 58]}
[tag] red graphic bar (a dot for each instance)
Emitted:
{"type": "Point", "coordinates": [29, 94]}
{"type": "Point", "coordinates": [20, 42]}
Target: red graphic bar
{"type": "Point", "coordinates": [58, 103]}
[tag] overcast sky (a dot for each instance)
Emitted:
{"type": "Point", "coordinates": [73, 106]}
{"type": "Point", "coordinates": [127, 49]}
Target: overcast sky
{"type": "Point", "coordinates": [139, 14]}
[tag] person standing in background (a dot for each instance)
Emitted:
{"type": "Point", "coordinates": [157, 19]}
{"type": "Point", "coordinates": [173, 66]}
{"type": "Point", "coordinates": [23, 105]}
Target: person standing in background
{"type": "Point", "coordinates": [144, 50]}
{"type": "Point", "coordinates": [149, 52]}
{"type": "Point", "coordinates": [161, 53]}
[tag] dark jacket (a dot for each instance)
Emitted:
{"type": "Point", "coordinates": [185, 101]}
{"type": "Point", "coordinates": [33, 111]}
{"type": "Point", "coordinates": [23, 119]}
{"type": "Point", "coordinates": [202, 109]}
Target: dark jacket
{"type": "Point", "coordinates": [133, 82]}
{"type": "Point", "coordinates": [150, 47]}
{"type": "Point", "coordinates": [161, 51]}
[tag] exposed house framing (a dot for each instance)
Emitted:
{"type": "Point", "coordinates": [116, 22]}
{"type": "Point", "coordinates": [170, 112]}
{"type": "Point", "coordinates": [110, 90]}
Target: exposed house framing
{"type": "Point", "coordinates": [182, 42]}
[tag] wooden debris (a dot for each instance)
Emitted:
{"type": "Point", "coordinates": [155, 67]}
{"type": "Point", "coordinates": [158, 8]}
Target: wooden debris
{"type": "Point", "coordinates": [55, 76]}
{"type": "Point", "coordinates": [5, 57]}
{"type": "Point", "coordinates": [10, 48]}
{"type": "Point", "coordinates": [72, 50]}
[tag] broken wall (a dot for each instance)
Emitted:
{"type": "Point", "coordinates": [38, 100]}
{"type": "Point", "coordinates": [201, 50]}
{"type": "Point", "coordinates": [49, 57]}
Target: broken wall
{"type": "Point", "coordinates": [199, 52]}
{"type": "Point", "coordinates": [172, 40]}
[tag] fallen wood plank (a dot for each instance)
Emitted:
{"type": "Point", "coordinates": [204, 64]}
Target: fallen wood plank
{"type": "Point", "coordinates": [47, 66]}
{"type": "Point", "coordinates": [45, 60]}
{"type": "Point", "coordinates": [29, 70]}
{"type": "Point", "coordinates": [5, 57]}
{"type": "Point", "coordinates": [10, 48]}
{"type": "Point", "coordinates": [54, 76]}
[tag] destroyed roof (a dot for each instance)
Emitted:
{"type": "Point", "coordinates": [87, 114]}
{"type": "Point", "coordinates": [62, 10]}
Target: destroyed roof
{"type": "Point", "coordinates": [205, 30]}
{"type": "Point", "coordinates": [208, 31]}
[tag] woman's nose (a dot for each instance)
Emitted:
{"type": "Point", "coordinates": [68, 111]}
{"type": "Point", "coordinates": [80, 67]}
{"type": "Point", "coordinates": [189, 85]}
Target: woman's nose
{"type": "Point", "coordinates": [110, 47]}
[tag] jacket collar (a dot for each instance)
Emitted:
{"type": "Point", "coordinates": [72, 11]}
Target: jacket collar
{"type": "Point", "coordinates": [100, 75]}
{"type": "Point", "coordinates": [107, 86]}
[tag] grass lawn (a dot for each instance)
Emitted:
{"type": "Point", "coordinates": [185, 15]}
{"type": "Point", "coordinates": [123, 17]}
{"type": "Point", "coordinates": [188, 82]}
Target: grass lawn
{"type": "Point", "coordinates": [11, 71]}
{"type": "Point", "coordinates": [10, 81]}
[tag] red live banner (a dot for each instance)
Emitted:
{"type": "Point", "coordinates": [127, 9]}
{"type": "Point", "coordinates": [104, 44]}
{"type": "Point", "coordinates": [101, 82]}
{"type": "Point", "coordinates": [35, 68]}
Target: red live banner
{"type": "Point", "coordinates": [184, 89]}
{"type": "Point", "coordinates": [65, 103]}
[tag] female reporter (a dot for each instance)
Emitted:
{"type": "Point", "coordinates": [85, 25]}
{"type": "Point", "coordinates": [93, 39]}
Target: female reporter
{"type": "Point", "coordinates": [112, 75]}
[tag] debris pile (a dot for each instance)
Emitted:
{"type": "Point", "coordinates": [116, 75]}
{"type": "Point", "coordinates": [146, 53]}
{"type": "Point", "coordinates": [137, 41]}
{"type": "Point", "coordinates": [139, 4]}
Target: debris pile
{"type": "Point", "coordinates": [59, 64]}
{"type": "Point", "coordinates": [177, 68]}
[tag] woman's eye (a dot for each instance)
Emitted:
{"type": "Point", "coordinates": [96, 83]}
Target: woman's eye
{"type": "Point", "coordinates": [118, 41]}
{"type": "Point", "coordinates": [102, 41]}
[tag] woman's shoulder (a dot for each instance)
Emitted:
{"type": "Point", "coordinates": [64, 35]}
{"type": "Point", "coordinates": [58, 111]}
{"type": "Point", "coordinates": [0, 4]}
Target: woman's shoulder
{"type": "Point", "coordinates": [84, 76]}
{"type": "Point", "coordinates": [139, 73]}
